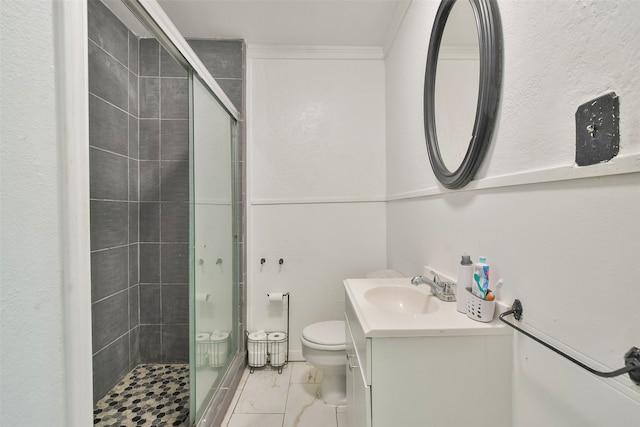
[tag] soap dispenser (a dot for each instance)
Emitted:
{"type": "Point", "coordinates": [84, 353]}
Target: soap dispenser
{"type": "Point", "coordinates": [465, 279]}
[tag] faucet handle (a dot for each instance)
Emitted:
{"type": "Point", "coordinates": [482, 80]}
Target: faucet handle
{"type": "Point", "coordinates": [436, 278]}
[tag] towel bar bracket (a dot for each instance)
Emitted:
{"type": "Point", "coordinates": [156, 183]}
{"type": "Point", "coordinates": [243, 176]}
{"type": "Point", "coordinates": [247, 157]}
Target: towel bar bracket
{"type": "Point", "coordinates": [631, 358]}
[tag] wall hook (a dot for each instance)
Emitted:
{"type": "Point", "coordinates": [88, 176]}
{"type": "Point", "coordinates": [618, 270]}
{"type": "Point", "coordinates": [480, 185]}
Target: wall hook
{"type": "Point", "coordinates": [281, 261]}
{"type": "Point", "coordinates": [262, 261]}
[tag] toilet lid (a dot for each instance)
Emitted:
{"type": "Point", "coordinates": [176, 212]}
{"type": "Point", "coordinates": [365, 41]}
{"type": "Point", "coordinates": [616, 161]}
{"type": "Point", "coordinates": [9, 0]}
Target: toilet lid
{"type": "Point", "coordinates": [325, 333]}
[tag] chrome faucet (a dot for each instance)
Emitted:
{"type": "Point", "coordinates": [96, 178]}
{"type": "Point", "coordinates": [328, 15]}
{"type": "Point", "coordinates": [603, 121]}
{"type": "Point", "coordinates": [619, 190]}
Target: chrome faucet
{"type": "Point", "coordinates": [442, 289]}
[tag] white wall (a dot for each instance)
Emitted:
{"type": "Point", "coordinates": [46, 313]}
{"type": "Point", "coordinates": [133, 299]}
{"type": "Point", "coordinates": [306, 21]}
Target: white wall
{"type": "Point", "coordinates": [32, 361]}
{"type": "Point", "coordinates": [316, 184]}
{"type": "Point", "coordinates": [567, 249]}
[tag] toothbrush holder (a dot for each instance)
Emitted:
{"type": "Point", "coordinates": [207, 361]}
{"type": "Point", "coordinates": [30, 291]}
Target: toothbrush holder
{"type": "Point", "coordinates": [479, 309]}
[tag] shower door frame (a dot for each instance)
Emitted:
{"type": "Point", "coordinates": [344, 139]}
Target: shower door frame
{"type": "Point", "coordinates": [72, 82]}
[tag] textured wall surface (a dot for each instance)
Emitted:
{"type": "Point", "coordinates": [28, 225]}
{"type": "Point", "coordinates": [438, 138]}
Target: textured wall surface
{"type": "Point", "coordinates": [317, 136]}
{"type": "Point", "coordinates": [555, 244]}
{"type": "Point", "coordinates": [32, 353]}
{"type": "Point", "coordinates": [318, 129]}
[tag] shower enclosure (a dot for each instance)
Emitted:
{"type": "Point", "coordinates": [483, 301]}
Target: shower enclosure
{"type": "Point", "coordinates": [166, 217]}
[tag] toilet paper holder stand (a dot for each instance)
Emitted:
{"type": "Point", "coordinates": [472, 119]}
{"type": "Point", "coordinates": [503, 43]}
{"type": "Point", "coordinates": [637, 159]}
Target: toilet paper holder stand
{"type": "Point", "coordinates": [268, 351]}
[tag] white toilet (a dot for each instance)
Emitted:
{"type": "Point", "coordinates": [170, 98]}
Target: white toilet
{"type": "Point", "coordinates": [323, 347]}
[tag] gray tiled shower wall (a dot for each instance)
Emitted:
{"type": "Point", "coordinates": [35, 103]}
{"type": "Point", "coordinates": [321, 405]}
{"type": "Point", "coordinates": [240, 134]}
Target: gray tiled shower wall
{"type": "Point", "coordinates": [139, 183]}
{"type": "Point", "coordinates": [114, 164]}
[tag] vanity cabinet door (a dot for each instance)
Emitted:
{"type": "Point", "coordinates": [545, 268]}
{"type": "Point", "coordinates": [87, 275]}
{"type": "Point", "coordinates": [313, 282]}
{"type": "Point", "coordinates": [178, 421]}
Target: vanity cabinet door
{"type": "Point", "coordinates": [358, 393]}
{"type": "Point", "coordinates": [361, 401]}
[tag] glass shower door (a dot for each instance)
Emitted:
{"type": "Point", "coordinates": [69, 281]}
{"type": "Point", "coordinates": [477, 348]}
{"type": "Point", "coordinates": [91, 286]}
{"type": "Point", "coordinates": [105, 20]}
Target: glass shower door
{"type": "Point", "coordinates": [213, 294]}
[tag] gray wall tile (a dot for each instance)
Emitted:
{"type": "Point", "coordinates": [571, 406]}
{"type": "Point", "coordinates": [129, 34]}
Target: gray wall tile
{"type": "Point", "coordinates": [150, 313]}
{"type": "Point", "coordinates": [174, 138]}
{"type": "Point", "coordinates": [223, 58]}
{"type": "Point", "coordinates": [175, 304]}
{"type": "Point", "coordinates": [133, 93]}
{"type": "Point", "coordinates": [175, 181]}
{"type": "Point", "coordinates": [149, 343]}
{"type": "Point", "coordinates": [134, 249]}
{"type": "Point", "coordinates": [107, 126]}
{"type": "Point", "coordinates": [149, 262]}
{"type": "Point", "coordinates": [149, 222]}
{"type": "Point", "coordinates": [174, 99]}
{"type": "Point", "coordinates": [134, 348]}
{"type": "Point", "coordinates": [108, 78]}
{"type": "Point", "coordinates": [109, 177]}
{"type": "Point", "coordinates": [174, 222]}
{"type": "Point", "coordinates": [108, 272]}
{"type": "Point", "coordinates": [149, 139]}
{"type": "Point", "coordinates": [149, 97]}
{"type": "Point", "coordinates": [169, 67]}
{"type": "Point", "coordinates": [175, 343]}
{"type": "Point", "coordinates": [133, 53]}
{"type": "Point", "coordinates": [109, 224]}
{"type": "Point", "coordinates": [133, 137]}
{"type": "Point", "coordinates": [109, 366]}
{"type": "Point", "coordinates": [133, 180]}
{"type": "Point", "coordinates": [107, 31]}
{"type": "Point", "coordinates": [109, 319]}
{"type": "Point", "coordinates": [175, 263]}
{"type": "Point", "coordinates": [149, 57]}
{"type": "Point", "coordinates": [134, 214]}
{"type": "Point", "coordinates": [233, 89]}
{"type": "Point", "coordinates": [134, 306]}
{"type": "Point", "coordinates": [149, 181]}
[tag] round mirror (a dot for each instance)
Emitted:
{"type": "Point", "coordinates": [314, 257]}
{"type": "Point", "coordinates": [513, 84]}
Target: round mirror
{"type": "Point", "coordinates": [462, 87]}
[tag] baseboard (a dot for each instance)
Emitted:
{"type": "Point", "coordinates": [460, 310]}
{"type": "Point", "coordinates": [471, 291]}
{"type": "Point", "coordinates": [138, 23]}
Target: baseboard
{"type": "Point", "coordinates": [296, 356]}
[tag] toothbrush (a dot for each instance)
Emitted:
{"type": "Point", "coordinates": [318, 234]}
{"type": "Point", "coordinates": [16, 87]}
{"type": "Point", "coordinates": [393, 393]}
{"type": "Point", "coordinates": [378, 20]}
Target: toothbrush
{"type": "Point", "coordinates": [495, 291]}
{"type": "Point", "coordinates": [476, 279]}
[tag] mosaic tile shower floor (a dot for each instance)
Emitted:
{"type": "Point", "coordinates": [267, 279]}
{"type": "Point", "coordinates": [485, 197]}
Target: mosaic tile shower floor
{"type": "Point", "coordinates": [149, 395]}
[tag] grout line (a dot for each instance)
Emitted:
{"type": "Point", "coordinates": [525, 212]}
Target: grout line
{"type": "Point", "coordinates": [126, 156]}
{"type": "Point", "coordinates": [109, 53]}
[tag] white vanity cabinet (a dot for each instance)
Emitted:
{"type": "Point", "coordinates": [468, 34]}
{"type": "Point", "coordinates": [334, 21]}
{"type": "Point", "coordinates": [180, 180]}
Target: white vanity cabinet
{"type": "Point", "coordinates": [441, 380]}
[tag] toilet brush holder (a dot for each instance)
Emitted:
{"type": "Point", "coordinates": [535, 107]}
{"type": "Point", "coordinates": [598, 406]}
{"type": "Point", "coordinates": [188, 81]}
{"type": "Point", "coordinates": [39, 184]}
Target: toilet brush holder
{"type": "Point", "coordinates": [479, 309]}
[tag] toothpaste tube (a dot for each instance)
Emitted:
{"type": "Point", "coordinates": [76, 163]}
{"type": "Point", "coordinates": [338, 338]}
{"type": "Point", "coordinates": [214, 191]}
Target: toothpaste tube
{"type": "Point", "coordinates": [480, 285]}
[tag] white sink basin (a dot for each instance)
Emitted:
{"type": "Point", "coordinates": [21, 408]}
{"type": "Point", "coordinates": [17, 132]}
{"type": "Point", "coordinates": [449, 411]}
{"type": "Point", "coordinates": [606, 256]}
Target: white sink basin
{"type": "Point", "coordinates": [393, 307]}
{"type": "Point", "coordinates": [401, 299]}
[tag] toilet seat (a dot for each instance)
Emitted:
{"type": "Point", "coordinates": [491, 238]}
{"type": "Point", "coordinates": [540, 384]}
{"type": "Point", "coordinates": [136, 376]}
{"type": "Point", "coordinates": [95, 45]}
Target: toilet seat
{"type": "Point", "coordinates": [329, 335]}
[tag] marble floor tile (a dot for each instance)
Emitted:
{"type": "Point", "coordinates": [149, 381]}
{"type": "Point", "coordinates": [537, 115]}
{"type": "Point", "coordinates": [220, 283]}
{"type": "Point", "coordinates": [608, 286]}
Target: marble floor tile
{"type": "Point", "coordinates": [305, 373]}
{"type": "Point", "coordinates": [265, 398]}
{"type": "Point", "coordinates": [305, 408]}
{"type": "Point", "coordinates": [255, 420]}
{"type": "Point", "coordinates": [265, 392]}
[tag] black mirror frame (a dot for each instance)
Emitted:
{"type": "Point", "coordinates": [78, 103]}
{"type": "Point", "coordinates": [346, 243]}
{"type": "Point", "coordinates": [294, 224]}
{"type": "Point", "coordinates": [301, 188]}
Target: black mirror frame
{"type": "Point", "coordinates": [490, 42]}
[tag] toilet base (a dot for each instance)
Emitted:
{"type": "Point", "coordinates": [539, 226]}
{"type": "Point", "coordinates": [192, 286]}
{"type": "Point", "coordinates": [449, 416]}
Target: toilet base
{"type": "Point", "coordinates": [333, 389]}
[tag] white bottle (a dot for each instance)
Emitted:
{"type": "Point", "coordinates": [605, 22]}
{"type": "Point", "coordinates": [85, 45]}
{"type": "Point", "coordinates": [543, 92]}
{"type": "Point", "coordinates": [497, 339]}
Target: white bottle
{"type": "Point", "coordinates": [465, 280]}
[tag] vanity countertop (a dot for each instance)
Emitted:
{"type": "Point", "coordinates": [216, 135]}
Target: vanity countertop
{"type": "Point", "coordinates": [442, 320]}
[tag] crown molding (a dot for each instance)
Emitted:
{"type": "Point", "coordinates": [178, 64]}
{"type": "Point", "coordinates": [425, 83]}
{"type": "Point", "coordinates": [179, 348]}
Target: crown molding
{"type": "Point", "coordinates": [314, 52]}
